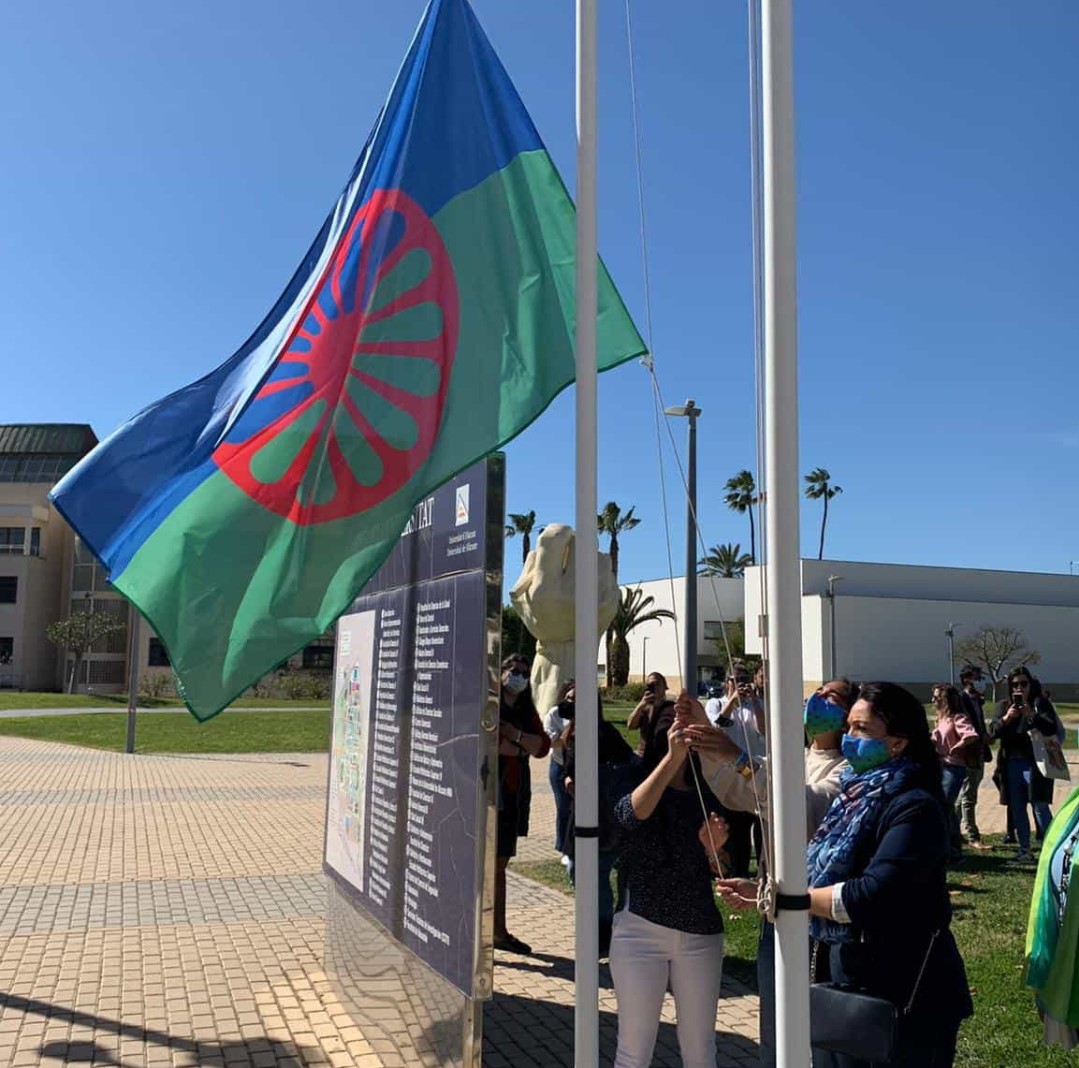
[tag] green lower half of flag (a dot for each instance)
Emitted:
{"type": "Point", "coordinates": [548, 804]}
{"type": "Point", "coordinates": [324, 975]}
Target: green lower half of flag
{"type": "Point", "coordinates": [234, 589]}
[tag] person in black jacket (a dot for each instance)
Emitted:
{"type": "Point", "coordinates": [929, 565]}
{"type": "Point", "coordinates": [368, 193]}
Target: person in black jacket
{"type": "Point", "coordinates": [880, 913]}
{"type": "Point", "coordinates": [1022, 783]}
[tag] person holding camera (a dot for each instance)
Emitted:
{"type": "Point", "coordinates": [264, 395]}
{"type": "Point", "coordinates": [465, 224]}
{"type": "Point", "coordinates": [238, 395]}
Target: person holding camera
{"type": "Point", "coordinates": [520, 737]}
{"type": "Point", "coordinates": [652, 717]}
{"type": "Point", "coordinates": [970, 680]}
{"type": "Point", "coordinates": [667, 930]}
{"type": "Point", "coordinates": [1022, 783]}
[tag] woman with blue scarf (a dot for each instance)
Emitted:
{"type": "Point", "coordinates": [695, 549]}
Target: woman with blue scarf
{"type": "Point", "coordinates": [879, 910]}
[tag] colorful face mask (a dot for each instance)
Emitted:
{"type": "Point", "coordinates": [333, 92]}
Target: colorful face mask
{"type": "Point", "coordinates": [822, 717]}
{"type": "Point", "coordinates": [864, 754]}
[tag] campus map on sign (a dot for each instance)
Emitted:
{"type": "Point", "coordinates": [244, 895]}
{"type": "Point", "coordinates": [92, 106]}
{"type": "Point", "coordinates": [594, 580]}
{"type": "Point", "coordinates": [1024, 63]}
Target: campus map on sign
{"type": "Point", "coordinates": [353, 671]}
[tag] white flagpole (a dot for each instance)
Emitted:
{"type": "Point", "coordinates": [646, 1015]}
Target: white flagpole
{"type": "Point", "coordinates": [586, 591]}
{"type": "Point", "coordinates": [784, 622]}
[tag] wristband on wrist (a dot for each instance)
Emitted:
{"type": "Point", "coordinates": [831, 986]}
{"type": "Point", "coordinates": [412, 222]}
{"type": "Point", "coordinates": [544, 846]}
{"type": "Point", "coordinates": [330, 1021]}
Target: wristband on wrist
{"type": "Point", "coordinates": [519, 734]}
{"type": "Point", "coordinates": [743, 766]}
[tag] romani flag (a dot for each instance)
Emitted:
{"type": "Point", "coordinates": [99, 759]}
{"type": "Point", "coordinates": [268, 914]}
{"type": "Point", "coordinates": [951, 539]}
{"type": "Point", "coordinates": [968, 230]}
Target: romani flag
{"type": "Point", "coordinates": [431, 321]}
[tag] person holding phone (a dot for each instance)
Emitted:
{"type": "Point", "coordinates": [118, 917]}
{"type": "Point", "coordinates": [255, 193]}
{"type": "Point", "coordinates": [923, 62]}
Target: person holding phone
{"type": "Point", "coordinates": [667, 930]}
{"type": "Point", "coordinates": [652, 718]}
{"type": "Point", "coordinates": [558, 723]}
{"type": "Point", "coordinates": [1023, 784]}
{"type": "Point", "coordinates": [520, 737]}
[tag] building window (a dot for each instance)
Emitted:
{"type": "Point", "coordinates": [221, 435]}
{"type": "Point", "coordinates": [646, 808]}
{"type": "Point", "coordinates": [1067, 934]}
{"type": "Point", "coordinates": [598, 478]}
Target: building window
{"type": "Point", "coordinates": [9, 589]}
{"type": "Point", "coordinates": [107, 672]}
{"type": "Point", "coordinates": [318, 655]}
{"type": "Point", "coordinates": [158, 656]}
{"type": "Point", "coordinates": [12, 540]}
{"type": "Point", "coordinates": [7, 651]}
{"type": "Point", "coordinates": [35, 541]}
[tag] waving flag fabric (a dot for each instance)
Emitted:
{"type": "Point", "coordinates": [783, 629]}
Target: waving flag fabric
{"type": "Point", "coordinates": [430, 322]}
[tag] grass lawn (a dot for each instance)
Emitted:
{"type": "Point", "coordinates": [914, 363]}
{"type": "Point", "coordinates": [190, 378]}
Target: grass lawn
{"type": "Point", "coordinates": [230, 732]}
{"type": "Point", "coordinates": [990, 898]}
{"type": "Point", "coordinates": [15, 699]}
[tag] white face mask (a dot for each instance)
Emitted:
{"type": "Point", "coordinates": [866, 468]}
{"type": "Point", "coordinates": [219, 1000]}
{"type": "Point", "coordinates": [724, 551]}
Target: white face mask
{"type": "Point", "coordinates": [516, 683]}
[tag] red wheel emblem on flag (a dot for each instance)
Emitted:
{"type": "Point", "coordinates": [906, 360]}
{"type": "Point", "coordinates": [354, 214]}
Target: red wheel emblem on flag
{"type": "Point", "coordinates": [353, 407]}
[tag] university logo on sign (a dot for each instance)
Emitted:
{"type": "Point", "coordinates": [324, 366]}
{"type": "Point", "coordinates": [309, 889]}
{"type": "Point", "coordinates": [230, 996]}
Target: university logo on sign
{"type": "Point", "coordinates": [462, 505]}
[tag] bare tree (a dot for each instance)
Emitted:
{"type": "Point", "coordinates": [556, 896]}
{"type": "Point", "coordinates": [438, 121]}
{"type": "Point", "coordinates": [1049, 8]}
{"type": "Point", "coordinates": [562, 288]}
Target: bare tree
{"type": "Point", "coordinates": [997, 651]}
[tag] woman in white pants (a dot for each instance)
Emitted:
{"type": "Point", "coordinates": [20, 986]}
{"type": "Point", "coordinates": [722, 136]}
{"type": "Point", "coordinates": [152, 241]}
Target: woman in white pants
{"type": "Point", "coordinates": [667, 929]}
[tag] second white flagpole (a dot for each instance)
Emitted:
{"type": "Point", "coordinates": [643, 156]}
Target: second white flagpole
{"type": "Point", "coordinates": [784, 607]}
{"type": "Point", "coordinates": [586, 591]}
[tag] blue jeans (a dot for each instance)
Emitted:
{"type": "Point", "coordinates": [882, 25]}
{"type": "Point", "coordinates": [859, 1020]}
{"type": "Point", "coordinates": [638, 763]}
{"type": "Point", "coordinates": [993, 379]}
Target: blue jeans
{"type": "Point", "coordinates": [952, 779]}
{"type": "Point", "coordinates": [606, 896]}
{"type": "Point", "coordinates": [563, 804]}
{"type": "Point", "coordinates": [1019, 773]}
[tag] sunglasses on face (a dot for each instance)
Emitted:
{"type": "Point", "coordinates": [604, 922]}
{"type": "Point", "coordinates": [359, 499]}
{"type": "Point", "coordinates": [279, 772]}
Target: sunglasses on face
{"type": "Point", "coordinates": [1020, 684]}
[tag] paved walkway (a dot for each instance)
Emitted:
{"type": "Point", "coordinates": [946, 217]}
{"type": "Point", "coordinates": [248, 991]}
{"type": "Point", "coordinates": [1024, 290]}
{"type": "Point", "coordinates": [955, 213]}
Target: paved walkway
{"type": "Point", "coordinates": [170, 910]}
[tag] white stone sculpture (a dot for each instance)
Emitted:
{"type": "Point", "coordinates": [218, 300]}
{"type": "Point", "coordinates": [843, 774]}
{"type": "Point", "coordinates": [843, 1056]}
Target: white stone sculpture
{"type": "Point", "coordinates": [543, 597]}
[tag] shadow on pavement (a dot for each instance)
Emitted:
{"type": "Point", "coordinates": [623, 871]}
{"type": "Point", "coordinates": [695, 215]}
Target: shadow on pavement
{"type": "Point", "coordinates": [89, 1052]}
{"type": "Point", "coordinates": [519, 1030]}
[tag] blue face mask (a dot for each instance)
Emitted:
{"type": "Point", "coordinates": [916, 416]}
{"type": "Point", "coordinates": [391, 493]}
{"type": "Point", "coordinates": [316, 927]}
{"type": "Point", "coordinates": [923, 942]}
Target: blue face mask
{"type": "Point", "coordinates": [822, 717]}
{"type": "Point", "coordinates": [864, 754]}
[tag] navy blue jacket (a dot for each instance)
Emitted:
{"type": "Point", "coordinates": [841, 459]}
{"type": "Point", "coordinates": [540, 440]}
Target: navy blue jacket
{"type": "Point", "coordinates": [895, 904]}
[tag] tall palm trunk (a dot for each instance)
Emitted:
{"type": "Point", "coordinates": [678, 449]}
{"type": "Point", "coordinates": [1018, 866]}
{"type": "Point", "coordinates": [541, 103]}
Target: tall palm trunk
{"type": "Point", "coordinates": [752, 536]}
{"type": "Point", "coordinates": [823, 524]}
{"type": "Point", "coordinates": [608, 643]}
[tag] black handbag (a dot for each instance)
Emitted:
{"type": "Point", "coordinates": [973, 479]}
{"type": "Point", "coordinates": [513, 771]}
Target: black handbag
{"type": "Point", "coordinates": [863, 1026]}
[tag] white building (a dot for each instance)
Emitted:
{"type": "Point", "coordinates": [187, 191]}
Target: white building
{"type": "Point", "coordinates": [885, 621]}
{"type": "Point", "coordinates": [657, 646]}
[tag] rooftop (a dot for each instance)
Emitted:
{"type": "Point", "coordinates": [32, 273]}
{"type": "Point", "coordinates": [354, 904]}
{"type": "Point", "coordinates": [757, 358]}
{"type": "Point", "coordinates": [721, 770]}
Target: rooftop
{"type": "Point", "coordinates": [42, 452]}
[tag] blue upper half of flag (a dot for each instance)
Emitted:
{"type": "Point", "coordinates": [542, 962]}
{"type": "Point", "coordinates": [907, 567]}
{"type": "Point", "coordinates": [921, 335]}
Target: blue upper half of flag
{"type": "Point", "coordinates": [452, 119]}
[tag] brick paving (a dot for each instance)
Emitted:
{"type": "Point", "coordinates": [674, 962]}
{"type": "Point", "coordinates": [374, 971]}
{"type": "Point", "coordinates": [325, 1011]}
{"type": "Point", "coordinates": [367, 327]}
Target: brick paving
{"type": "Point", "coordinates": [170, 910]}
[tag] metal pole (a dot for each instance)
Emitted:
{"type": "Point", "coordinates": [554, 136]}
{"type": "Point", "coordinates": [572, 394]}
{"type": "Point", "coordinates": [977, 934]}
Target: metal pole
{"type": "Point", "coordinates": [586, 585]}
{"type": "Point", "coordinates": [832, 580]}
{"type": "Point", "coordinates": [784, 622]}
{"type": "Point", "coordinates": [950, 632]}
{"type": "Point", "coordinates": [132, 677]}
{"type": "Point", "coordinates": [644, 659]}
{"type": "Point", "coordinates": [689, 627]}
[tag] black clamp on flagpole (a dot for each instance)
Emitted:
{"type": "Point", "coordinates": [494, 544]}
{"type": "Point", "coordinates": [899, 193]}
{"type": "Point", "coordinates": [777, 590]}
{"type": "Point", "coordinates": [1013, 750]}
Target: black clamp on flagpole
{"type": "Point", "coordinates": [792, 902]}
{"type": "Point", "coordinates": [592, 832]}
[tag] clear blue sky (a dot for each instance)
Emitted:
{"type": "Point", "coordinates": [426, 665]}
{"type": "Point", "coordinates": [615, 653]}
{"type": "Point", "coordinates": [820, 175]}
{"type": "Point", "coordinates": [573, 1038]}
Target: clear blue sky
{"type": "Point", "coordinates": [164, 167]}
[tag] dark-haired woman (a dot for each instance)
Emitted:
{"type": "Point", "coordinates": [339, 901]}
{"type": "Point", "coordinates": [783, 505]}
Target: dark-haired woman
{"type": "Point", "coordinates": [880, 912]}
{"type": "Point", "coordinates": [520, 737]}
{"type": "Point", "coordinates": [667, 930]}
{"type": "Point", "coordinates": [558, 724]}
{"type": "Point", "coordinates": [652, 717]}
{"type": "Point", "coordinates": [957, 741]}
{"type": "Point", "coordinates": [1023, 784]}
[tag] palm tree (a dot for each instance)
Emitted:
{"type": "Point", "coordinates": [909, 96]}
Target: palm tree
{"type": "Point", "coordinates": [741, 496]}
{"type": "Point", "coordinates": [612, 522]}
{"type": "Point", "coordinates": [634, 608]}
{"type": "Point", "coordinates": [819, 487]}
{"type": "Point", "coordinates": [725, 561]}
{"type": "Point", "coordinates": [522, 524]}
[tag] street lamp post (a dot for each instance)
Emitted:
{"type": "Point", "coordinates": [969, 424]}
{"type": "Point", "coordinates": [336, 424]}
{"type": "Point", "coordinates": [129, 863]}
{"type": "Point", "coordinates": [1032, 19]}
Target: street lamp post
{"type": "Point", "coordinates": [832, 580]}
{"type": "Point", "coordinates": [644, 659]}
{"type": "Point", "coordinates": [689, 624]}
{"type": "Point", "coordinates": [950, 635]}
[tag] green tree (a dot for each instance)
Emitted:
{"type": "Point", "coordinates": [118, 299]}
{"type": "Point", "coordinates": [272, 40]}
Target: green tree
{"type": "Point", "coordinates": [819, 488]}
{"type": "Point", "coordinates": [997, 651]}
{"type": "Point", "coordinates": [725, 561]}
{"type": "Point", "coordinates": [516, 637]}
{"type": "Point", "coordinates": [79, 633]}
{"type": "Point", "coordinates": [741, 497]}
{"type": "Point", "coordinates": [612, 522]}
{"type": "Point", "coordinates": [523, 525]}
{"type": "Point", "coordinates": [732, 652]}
{"type": "Point", "coordinates": [634, 608]}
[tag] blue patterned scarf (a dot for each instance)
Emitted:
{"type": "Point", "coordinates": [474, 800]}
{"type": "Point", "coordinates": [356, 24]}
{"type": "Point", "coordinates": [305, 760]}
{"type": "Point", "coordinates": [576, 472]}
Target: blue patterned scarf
{"type": "Point", "coordinates": [850, 820]}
